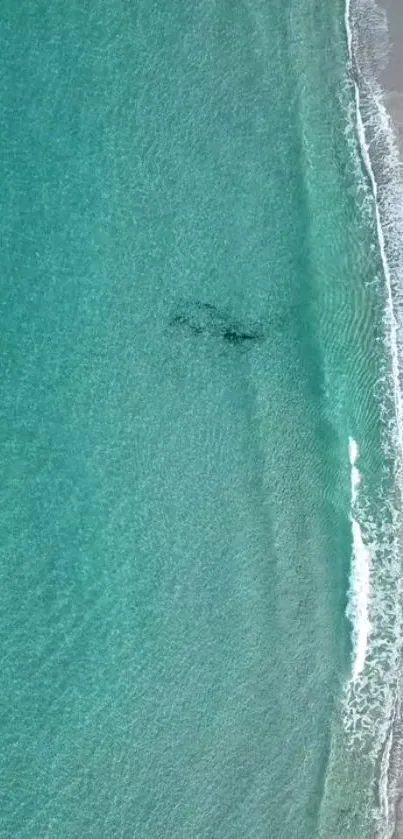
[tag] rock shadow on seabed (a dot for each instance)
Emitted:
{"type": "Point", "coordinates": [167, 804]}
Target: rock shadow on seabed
{"type": "Point", "coordinates": [197, 318]}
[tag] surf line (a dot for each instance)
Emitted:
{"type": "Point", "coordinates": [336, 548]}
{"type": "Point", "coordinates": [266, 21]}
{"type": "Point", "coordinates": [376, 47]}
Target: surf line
{"type": "Point", "coordinates": [392, 266]}
{"type": "Point", "coordinates": [391, 308]}
{"type": "Point", "coordinates": [360, 579]}
{"type": "Point", "coordinates": [385, 682]}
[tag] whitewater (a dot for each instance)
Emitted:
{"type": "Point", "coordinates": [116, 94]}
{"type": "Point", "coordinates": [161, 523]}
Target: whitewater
{"type": "Point", "coordinates": [371, 704]}
{"type": "Point", "coordinates": [359, 595]}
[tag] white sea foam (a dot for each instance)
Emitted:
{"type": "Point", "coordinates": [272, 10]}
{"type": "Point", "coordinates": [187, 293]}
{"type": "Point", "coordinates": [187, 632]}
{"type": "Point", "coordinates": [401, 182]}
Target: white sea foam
{"type": "Point", "coordinates": [359, 592]}
{"type": "Point", "coordinates": [373, 690]}
{"type": "Point", "coordinates": [347, 23]}
{"type": "Point", "coordinates": [355, 475]}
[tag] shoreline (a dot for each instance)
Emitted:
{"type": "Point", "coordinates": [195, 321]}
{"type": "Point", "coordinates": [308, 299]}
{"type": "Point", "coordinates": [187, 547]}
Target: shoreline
{"type": "Point", "coordinates": [375, 39]}
{"type": "Point", "coordinates": [391, 80]}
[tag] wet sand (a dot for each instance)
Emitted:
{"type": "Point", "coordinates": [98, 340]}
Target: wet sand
{"type": "Point", "coordinates": [392, 82]}
{"type": "Point", "coordinates": [392, 76]}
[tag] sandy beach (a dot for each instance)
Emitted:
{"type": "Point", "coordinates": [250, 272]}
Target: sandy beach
{"type": "Point", "coordinates": [392, 82]}
{"type": "Point", "coordinates": [392, 76]}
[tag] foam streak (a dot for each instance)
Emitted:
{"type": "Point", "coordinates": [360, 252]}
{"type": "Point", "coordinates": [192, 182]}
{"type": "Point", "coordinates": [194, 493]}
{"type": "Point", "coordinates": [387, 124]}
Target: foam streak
{"type": "Point", "coordinates": [359, 594]}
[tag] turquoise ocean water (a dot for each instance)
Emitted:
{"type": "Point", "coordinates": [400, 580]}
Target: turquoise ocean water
{"type": "Point", "coordinates": [199, 420]}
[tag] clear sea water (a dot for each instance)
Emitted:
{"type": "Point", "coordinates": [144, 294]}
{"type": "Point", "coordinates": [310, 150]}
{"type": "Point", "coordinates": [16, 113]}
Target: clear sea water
{"type": "Point", "coordinates": [193, 331]}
